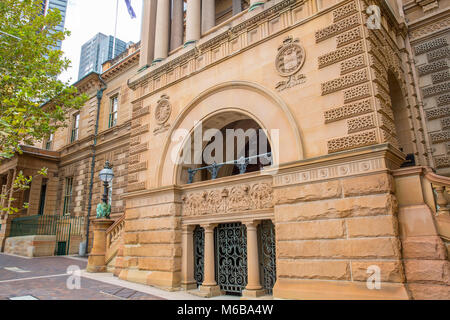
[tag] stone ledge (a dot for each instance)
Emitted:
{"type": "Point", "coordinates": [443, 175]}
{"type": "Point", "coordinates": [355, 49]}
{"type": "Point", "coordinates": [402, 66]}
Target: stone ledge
{"type": "Point", "coordinates": [336, 290]}
{"type": "Point", "coordinates": [31, 246]}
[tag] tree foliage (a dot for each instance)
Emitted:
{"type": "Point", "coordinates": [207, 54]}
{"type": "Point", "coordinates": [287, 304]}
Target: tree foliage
{"type": "Point", "coordinates": [33, 102]}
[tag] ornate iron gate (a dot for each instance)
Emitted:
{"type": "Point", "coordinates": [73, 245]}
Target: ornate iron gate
{"type": "Point", "coordinates": [231, 257]}
{"type": "Point", "coordinates": [267, 255]}
{"type": "Point", "coordinates": [199, 254]}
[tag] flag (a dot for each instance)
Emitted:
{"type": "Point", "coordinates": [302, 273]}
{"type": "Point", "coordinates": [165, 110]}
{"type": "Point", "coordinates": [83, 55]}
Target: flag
{"type": "Point", "coordinates": [130, 9]}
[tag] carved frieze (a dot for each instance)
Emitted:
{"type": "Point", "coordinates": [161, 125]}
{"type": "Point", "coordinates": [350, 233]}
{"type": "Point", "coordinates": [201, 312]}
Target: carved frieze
{"type": "Point", "coordinates": [345, 81]}
{"type": "Point", "coordinates": [356, 93]}
{"type": "Point", "coordinates": [348, 37]}
{"type": "Point", "coordinates": [430, 45]}
{"type": "Point", "coordinates": [436, 89]}
{"type": "Point", "coordinates": [443, 100]}
{"type": "Point", "coordinates": [238, 198]}
{"type": "Point", "coordinates": [344, 11]}
{"type": "Point", "coordinates": [337, 28]}
{"type": "Point", "coordinates": [433, 67]}
{"type": "Point", "coordinates": [438, 54]}
{"type": "Point", "coordinates": [362, 139]}
{"type": "Point", "coordinates": [340, 54]}
{"type": "Point", "coordinates": [348, 111]}
{"type": "Point", "coordinates": [438, 113]}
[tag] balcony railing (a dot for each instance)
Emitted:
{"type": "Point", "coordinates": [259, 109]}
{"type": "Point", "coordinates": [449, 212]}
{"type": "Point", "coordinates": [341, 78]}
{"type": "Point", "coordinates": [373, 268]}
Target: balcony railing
{"type": "Point", "coordinates": [242, 164]}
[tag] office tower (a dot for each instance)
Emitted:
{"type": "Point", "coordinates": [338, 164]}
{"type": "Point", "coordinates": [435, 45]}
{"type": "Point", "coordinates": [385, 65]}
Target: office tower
{"type": "Point", "coordinates": [96, 51]}
{"type": "Point", "coordinates": [61, 5]}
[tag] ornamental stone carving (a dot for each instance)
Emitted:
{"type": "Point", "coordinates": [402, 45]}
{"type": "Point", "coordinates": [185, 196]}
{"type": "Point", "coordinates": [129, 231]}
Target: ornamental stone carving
{"type": "Point", "coordinates": [289, 61]}
{"type": "Point", "coordinates": [162, 114]}
{"type": "Point", "coordinates": [228, 200]}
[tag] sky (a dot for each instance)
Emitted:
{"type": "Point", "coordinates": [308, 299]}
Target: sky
{"type": "Point", "coordinates": [86, 18]}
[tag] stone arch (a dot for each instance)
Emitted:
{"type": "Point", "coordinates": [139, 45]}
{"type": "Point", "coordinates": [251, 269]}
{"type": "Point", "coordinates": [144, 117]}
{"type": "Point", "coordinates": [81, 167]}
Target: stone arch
{"type": "Point", "coordinates": [401, 111]}
{"type": "Point", "coordinates": [249, 99]}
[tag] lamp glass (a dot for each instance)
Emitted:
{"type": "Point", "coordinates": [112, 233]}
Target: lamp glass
{"type": "Point", "coordinates": [106, 175]}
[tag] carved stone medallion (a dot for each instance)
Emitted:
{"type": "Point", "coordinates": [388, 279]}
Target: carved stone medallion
{"type": "Point", "coordinates": [289, 61]}
{"type": "Point", "coordinates": [162, 114]}
{"type": "Point", "coordinates": [290, 57]}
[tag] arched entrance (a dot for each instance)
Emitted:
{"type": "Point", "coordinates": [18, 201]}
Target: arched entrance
{"type": "Point", "coordinates": [250, 101]}
{"type": "Point", "coordinates": [226, 144]}
{"type": "Point", "coordinates": [402, 123]}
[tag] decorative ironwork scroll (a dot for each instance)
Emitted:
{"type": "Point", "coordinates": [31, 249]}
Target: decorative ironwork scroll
{"type": "Point", "coordinates": [231, 257]}
{"type": "Point", "coordinates": [199, 254]}
{"type": "Point", "coordinates": [267, 255]}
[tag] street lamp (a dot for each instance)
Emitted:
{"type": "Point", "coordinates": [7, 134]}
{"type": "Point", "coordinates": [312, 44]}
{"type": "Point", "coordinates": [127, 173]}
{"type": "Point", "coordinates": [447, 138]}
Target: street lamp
{"type": "Point", "coordinates": [106, 175]}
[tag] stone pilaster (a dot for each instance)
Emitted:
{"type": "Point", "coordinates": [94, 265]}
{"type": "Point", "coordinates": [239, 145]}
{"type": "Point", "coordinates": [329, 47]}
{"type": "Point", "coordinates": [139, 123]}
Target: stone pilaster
{"type": "Point", "coordinates": [162, 30]}
{"type": "Point", "coordinates": [187, 264]}
{"type": "Point", "coordinates": [253, 288]}
{"type": "Point", "coordinates": [193, 30]}
{"type": "Point", "coordinates": [148, 33]}
{"type": "Point", "coordinates": [209, 286]}
{"type": "Point", "coordinates": [176, 32]}
{"type": "Point", "coordinates": [208, 15]}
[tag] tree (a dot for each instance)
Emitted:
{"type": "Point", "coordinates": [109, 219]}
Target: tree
{"type": "Point", "coordinates": [33, 102]}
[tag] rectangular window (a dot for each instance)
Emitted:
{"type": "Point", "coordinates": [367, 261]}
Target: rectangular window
{"type": "Point", "coordinates": [113, 111]}
{"type": "Point", "coordinates": [48, 144]}
{"type": "Point", "coordinates": [75, 127]}
{"type": "Point", "coordinates": [67, 195]}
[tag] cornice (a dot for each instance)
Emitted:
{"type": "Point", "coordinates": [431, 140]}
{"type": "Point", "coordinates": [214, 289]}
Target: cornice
{"type": "Point", "coordinates": [225, 35]}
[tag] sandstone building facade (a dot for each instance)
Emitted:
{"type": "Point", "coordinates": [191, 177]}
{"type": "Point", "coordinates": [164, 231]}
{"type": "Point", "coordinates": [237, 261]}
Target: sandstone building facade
{"type": "Point", "coordinates": [355, 112]}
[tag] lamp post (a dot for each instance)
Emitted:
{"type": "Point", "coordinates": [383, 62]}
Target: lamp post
{"type": "Point", "coordinates": [96, 261]}
{"type": "Point", "coordinates": [106, 175]}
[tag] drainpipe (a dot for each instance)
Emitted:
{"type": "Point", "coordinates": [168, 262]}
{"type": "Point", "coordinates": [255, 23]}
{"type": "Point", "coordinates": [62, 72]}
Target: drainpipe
{"type": "Point", "coordinates": [91, 183]}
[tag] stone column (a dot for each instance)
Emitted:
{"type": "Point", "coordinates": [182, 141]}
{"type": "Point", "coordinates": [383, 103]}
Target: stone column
{"type": "Point", "coordinates": [209, 286]}
{"type": "Point", "coordinates": [193, 14]}
{"type": "Point", "coordinates": [208, 15]}
{"type": "Point", "coordinates": [96, 261]}
{"type": "Point", "coordinates": [253, 288]}
{"type": "Point", "coordinates": [187, 259]}
{"type": "Point", "coordinates": [147, 33]}
{"type": "Point", "coordinates": [255, 4]}
{"type": "Point", "coordinates": [237, 7]}
{"type": "Point", "coordinates": [162, 30]}
{"type": "Point", "coordinates": [176, 32]}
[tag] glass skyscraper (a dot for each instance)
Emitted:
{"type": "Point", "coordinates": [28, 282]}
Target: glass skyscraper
{"type": "Point", "coordinates": [61, 5]}
{"type": "Point", "coordinates": [96, 51]}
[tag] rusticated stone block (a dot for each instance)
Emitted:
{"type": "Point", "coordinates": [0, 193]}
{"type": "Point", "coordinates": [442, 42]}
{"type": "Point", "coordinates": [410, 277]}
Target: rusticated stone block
{"type": "Point", "coordinates": [324, 229]}
{"type": "Point", "coordinates": [379, 226]}
{"type": "Point", "coordinates": [391, 271]}
{"type": "Point", "coordinates": [159, 264]}
{"type": "Point", "coordinates": [374, 205]}
{"type": "Point", "coordinates": [159, 237]}
{"type": "Point", "coordinates": [379, 183]}
{"type": "Point", "coordinates": [308, 192]}
{"type": "Point", "coordinates": [152, 224]}
{"type": "Point", "coordinates": [375, 248]}
{"type": "Point", "coordinates": [130, 238]}
{"type": "Point", "coordinates": [431, 248]}
{"type": "Point", "coordinates": [153, 250]}
{"type": "Point", "coordinates": [437, 271]}
{"type": "Point", "coordinates": [429, 291]}
{"type": "Point", "coordinates": [327, 270]}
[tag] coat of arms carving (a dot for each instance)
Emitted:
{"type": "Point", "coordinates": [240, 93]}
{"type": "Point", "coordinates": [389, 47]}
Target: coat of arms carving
{"type": "Point", "coordinates": [162, 114]}
{"type": "Point", "coordinates": [289, 61]}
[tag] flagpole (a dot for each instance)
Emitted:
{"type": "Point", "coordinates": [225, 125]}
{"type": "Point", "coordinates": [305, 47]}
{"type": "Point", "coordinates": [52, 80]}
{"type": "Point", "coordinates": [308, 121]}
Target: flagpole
{"type": "Point", "coordinates": [115, 30]}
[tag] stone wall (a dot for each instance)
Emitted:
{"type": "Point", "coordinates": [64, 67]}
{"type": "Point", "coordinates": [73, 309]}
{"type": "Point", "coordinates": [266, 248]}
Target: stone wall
{"type": "Point", "coordinates": [334, 231]}
{"type": "Point", "coordinates": [31, 246]}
